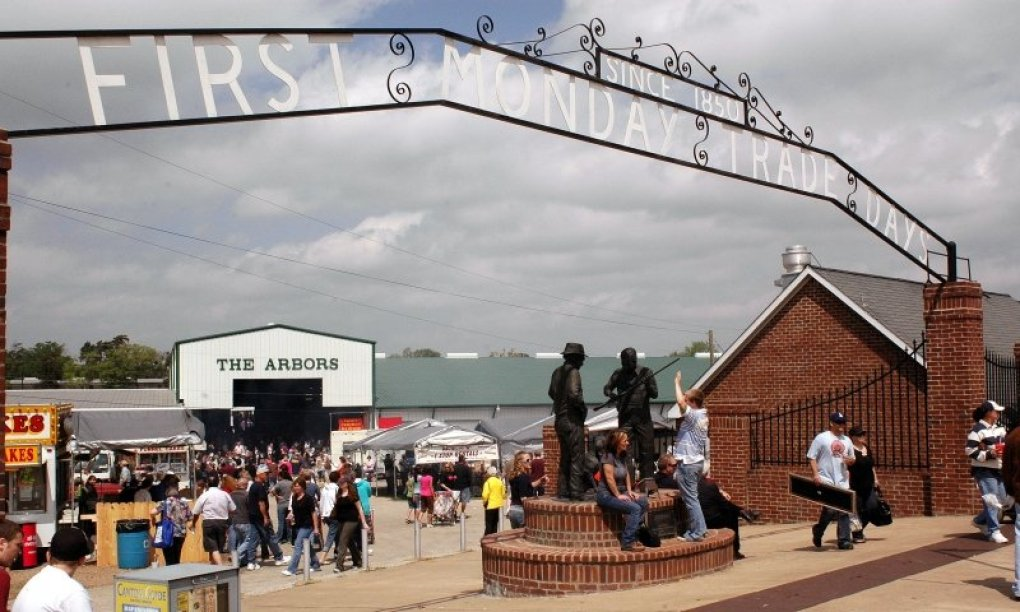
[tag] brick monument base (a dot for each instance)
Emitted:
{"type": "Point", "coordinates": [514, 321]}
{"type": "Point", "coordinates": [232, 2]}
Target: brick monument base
{"type": "Point", "coordinates": [575, 548]}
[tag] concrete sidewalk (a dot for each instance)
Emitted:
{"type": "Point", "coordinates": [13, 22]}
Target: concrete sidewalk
{"type": "Point", "coordinates": [931, 563]}
{"type": "Point", "coordinates": [954, 570]}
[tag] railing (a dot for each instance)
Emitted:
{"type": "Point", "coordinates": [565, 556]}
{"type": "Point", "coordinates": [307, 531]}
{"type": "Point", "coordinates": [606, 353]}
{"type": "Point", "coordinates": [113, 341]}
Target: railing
{"type": "Point", "coordinates": [1001, 385]}
{"type": "Point", "coordinates": [891, 404]}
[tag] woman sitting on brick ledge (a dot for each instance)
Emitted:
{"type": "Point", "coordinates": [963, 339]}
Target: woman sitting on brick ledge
{"type": "Point", "coordinates": [612, 473]}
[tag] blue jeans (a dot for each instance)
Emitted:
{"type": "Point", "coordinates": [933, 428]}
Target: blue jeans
{"type": "Point", "coordinates": [634, 509]}
{"type": "Point", "coordinates": [332, 533]}
{"type": "Point", "coordinates": [302, 534]}
{"type": "Point", "coordinates": [283, 530]}
{"type": "Point", "coordinates": [516, 516]}
{"type": "Point", "coordinates": [989, 481]}
{"type": "Point", "coordinates": [258, 534]}
{"type": "Point", "coordinates": [843, 533]}
{"type": "Point", "coordinates": [237, 539]}
{"type": "Point", "coordinates": [687, 477]}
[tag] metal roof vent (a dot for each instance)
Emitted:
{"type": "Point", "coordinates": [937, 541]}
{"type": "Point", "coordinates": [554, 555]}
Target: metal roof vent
{"type": "Point", "coordinates": [795, 259]}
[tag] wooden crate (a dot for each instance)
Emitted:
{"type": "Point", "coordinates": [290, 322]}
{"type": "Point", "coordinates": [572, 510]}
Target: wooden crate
{"type": "Point", "coordinates": [107, 515]}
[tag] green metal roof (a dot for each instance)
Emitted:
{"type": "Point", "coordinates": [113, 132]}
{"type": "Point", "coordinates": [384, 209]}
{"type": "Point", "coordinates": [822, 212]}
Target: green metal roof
{"type": "Point", "coordinates": [433, 382]}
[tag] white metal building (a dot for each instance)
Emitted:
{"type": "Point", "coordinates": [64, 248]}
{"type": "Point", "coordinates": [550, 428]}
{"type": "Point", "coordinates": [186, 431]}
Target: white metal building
{"type": "Point", "coordinates": [279, 381]}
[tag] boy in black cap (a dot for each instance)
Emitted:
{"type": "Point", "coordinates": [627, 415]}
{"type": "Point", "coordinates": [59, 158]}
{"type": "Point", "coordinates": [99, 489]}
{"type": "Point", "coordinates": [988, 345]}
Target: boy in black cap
{"type": "Point", "coordinates": [831, 454]}
{"type": "Point", "coordinates": [54, 588]}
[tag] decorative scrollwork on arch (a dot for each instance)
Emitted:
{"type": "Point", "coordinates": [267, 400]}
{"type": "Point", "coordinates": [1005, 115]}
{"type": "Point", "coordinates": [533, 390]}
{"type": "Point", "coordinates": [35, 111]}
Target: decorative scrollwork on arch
{"type": "Point", "coordinates": [532, 49]}
{"type": "Point", "coordinates": [702, 124]}
{"type": "Point", "coordinates": [851, 202]}
{"type": "Point", "coordinates": [484, 26]}
{"type": "Point", "coordinates": [400, 45]}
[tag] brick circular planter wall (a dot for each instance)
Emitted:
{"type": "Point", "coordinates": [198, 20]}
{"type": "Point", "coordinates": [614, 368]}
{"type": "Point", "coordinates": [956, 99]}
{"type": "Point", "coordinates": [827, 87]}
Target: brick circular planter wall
{"type": "Point", "coordinates": [575, 548]}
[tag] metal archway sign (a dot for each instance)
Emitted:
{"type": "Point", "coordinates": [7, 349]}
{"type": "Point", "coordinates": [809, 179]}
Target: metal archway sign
{"type": "Point", "coordinates": [672, 108]}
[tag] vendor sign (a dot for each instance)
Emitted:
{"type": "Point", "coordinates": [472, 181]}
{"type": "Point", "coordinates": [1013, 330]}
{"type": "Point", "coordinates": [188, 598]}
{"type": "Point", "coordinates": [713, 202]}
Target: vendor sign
{"type": "Point", "coordinates": [22, 456]}
{"type": "Point", "coordinates": [31, 425]}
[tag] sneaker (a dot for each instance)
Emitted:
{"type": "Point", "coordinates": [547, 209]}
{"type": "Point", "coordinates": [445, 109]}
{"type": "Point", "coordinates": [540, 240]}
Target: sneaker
{"type": "Point", "coordinates": [694, 537]}
{"type": "Point", "coordinates": [317, 569]}
{"type": "Point", "coordinates": [981, 527]}
{"type": "Point", "coordinates": [998, 538]}
{"type": "Point", "coordinates": [283, 560]}
{"type": "Point", "coordinates": [845, 545]}
{"type": "Point", "coordinates": [633, 547]}
{"type": "Point", "coordinates": [859, 537]}
{"type": "Point", "coordinates": [254, 566]}
{"type": "Point", "coordinates": [337, 569]}
{"type": "Point", "coordinates": [287, 573]}
{"type": "Point", "coordinates": [816, 536]}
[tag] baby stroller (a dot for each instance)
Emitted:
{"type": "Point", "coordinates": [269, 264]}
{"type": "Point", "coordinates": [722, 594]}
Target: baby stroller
{"type": "Point", "coordinates": [445, 507]}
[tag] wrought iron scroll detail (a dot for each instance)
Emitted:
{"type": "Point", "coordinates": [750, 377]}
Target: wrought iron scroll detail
{"type": "Point", "coordinates": [702, 124]}
{"type": "Point", "coordinates": [484, 26]}
{"type": "Point", "coordinates": [851, 202]}
{"type": "Point", "coordinates": [400, 45]}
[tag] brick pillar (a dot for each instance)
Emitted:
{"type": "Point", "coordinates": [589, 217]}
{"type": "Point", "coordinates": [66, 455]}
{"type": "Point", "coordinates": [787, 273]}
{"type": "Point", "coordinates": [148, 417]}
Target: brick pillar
{"type": "Point", "coordinates": [5, 226]}
{"type": "Point", "coordinates": [551, 452]}
{"type": "Point", "coordinates": [955, 358]}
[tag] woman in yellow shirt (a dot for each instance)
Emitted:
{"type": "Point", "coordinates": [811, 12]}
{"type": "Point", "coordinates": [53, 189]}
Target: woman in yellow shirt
{"type": "Point", "coordinates": [493, 496]}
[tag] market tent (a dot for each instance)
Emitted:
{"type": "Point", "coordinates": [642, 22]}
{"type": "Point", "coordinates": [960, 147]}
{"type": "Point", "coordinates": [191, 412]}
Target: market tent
{"type": "Point", "coordinates": [432, 442]}
{"type": "Point", "coordinates": [516, 433]}
{"type": "Point", "coordinates": [126, 428]}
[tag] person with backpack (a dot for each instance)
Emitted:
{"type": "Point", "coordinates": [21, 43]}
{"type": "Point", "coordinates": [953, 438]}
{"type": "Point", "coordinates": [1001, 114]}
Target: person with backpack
{"type": "Point", "coordinates": [179, 513]}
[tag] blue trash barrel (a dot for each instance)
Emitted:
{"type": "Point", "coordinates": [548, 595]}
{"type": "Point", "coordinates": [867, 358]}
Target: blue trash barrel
{"type": "Point", "coordinates": [133, 545]}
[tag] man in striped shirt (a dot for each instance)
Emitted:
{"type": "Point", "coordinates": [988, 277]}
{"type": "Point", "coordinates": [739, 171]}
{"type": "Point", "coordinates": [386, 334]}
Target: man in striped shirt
{"type": "Point", "coordinates": [985, 444]}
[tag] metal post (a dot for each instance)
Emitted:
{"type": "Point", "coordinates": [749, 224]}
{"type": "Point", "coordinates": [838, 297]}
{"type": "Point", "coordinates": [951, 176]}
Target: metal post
{"type": "Point", "coordinates": [364, 548]}
{"type": "Point", "coordinates": [951, 264]}
{"type": "Point", "coordinates": [306, 549]}
{"type": "Point", "coordinates": [463, 533]}
{"type": "Point", "coordinates": [417, 539]}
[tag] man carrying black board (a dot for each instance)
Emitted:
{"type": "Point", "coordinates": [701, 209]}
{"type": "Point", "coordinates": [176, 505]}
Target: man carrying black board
{"type": "Point", "coordinates": [830, 456]}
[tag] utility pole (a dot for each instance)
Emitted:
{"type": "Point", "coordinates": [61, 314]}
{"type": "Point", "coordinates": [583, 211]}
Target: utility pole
{"type": "Point", "coordinates": [711, 348]}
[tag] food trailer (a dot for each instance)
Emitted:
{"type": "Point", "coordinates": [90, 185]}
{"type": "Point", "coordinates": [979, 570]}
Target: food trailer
{"type": "Point", "coordinates": [36, 477]}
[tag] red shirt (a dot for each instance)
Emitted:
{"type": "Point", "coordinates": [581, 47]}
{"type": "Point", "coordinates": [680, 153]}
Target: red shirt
{"type": "Point", "coordinates": [5, 589]}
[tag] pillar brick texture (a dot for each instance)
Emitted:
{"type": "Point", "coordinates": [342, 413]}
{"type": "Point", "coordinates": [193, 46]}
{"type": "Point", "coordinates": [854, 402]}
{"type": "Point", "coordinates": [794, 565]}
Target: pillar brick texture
{"type": "Point", "coordinates": [956, 385]}
{"type": "Point", "coordinates": [5, 226]}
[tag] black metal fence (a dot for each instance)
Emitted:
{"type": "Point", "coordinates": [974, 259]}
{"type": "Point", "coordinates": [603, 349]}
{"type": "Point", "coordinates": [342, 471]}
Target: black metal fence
{"type": "Point", "coordinates": [1001, 385]}
{"type": "Point", "coordinates": [891, 405]}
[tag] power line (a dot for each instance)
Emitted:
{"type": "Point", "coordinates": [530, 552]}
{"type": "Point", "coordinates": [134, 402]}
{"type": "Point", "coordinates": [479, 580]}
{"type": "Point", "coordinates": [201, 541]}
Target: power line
{"type": "Point", "coordinates": [340, 228]}
{"type": "Point", "coordinates": [26, 199]}
{"type": "Point", "coordinates": [284, 283]}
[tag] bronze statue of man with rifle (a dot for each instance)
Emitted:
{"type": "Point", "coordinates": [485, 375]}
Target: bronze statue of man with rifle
{"type": "Point", "coordinates": [633, 388]}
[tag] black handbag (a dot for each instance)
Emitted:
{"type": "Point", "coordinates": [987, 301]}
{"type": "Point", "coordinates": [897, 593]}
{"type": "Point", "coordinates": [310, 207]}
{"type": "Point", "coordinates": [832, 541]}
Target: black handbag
{"type": "Point", "coordinates": [881, 514]}
{"type": "Point", "coordinates": [648, 537]}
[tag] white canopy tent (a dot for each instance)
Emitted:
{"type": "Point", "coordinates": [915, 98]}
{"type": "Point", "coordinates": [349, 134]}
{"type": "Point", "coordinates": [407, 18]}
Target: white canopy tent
{"type": "Point", "coordinates": [432, 442]}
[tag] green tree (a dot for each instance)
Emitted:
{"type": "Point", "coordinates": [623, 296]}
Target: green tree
{"type": "Point", "coordinates": [511, 352]}
{"type": "Point", "coordinates": [45, 361]}
{"type": "Point", "coordinates": [118, 362]}
{"type": "Point", "coordinates": [698, 346]}
{"type": "Point", "coordinates": [421, 352]}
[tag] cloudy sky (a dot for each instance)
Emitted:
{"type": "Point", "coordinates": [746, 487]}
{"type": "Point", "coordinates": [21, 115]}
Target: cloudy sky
{"type": "Point", "coordinates": [431, 227]}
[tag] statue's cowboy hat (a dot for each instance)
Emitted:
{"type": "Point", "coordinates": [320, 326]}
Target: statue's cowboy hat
{"type": "Point", "coordinates": [573, 348]}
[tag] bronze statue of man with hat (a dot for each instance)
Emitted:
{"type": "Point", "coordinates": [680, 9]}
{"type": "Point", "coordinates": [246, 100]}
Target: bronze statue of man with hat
{"type": "Point", "coordinates": [571, 412]}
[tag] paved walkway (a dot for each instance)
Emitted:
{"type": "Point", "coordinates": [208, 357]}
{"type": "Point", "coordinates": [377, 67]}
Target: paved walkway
{"type": "Point", "coordinates": [917, 563]}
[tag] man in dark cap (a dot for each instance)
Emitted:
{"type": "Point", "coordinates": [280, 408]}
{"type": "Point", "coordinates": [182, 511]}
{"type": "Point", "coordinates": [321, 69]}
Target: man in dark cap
{"type": "Point", "coordinates": [571, 412]}
{"type": "Point", "coordinates": [54, 588]}
{"type": "Point", "coordinates": [633, 388]}
{"type": "Point", "coordinates": [831, 455]}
